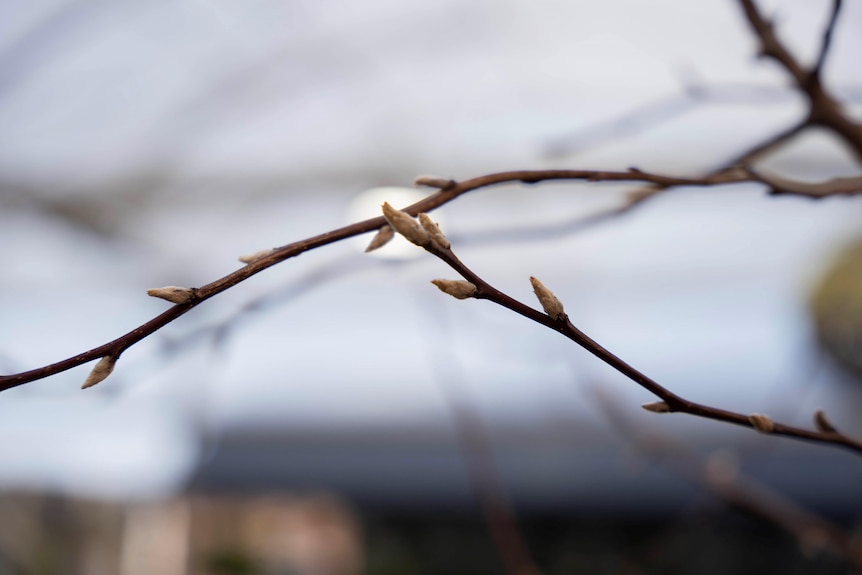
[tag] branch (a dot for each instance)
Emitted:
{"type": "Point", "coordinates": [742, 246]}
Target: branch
{"type": "Point", "coordinates": [827, 39]}
{"type": "Point", "coordinates": [725, 481]}
{"type": "Point", "coordinates": [555, 318]}
{"type": "Point", "coordinates": [824, 109]}
{"type": "Point", "coordinates": [189, 298]}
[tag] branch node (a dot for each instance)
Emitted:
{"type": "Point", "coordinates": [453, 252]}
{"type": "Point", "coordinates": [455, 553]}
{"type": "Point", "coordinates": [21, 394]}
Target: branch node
{"type": "Point", "coordinates": [761, 423]}
{"type": "Point", "coordinates": [434, 182]}
{"type": "Point", "coordinates": [822, 423]}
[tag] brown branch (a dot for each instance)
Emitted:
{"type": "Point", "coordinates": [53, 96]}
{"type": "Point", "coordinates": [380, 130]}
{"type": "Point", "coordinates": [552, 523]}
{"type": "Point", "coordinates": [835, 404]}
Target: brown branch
{"type": "Point", "coordinates": [824, 109]}
{"type": "Point", "coordinates": [554, 318]}
{"type": "Point", "coordinates": [827, 39]}
{"type": "Point", "coordinates": [196, 296]}
{"type": "Point", "coordinates": [726, 482]}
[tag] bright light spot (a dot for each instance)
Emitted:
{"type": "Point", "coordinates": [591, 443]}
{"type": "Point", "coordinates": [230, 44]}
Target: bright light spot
{"type": "Point", "coordinates": [367, 205]}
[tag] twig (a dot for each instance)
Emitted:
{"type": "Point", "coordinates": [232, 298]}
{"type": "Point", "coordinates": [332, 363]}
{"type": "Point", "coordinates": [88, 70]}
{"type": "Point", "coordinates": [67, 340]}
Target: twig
{"type": "Point", "coordinates": [728, 484]}
{"type": "Point", "coordinates": [827, 39]}
{"type": "Point", "coordinates": [824, 110]}
{"type": "Point", "coordinates": [197, 296]}
{"type": "Point", "coordinates": [556, 319]}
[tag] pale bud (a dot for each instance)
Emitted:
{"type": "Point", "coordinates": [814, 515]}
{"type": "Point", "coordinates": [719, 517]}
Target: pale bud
{"type": "Point", "coordinates": [761, 423]}
{"type": "Point", "coordinates": [101, 370]}
{"type": "Point", "coordinates": [173, 294]}
{"type": "Point", "coordinates": [456, 288]}
{"type": "Point", "coordinates": [433, 182]}
{"type": "Point", "coordinates": [822, 423]}
{"type": "Point", "coordinates": [657, 407]}
{"type": "Point", "coordinates": [552, 306]}
{"type": "Point", "coordinates": [433, 230]}
{"type": "Point", "coordinates": [405, 225]}
{"type": "Point", "coordinates": [381, 238]}
{"type": "Point", "coordinates": [249, 258]}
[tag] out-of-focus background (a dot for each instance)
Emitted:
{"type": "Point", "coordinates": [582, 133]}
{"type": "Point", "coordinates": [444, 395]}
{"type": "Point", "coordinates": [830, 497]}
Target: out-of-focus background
{"type": "Point", "coordinates": [322, 417]}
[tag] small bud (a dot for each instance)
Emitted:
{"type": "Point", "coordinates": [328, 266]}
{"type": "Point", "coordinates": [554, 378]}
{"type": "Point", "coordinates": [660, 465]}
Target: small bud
{"type": "Point", "coordinates": [405, 225]}
{"type": "Point", "coordinates": [657, 407]}
{"type": "Point", "coordinates": [433, 182]}
{"type": "Point", "coordinates": [433, 230]}
{"type": "Point", "coordinates": [173, 294]}
{"type": "Point", "coordinates": [381, 238]}
{"type": "Point", "coordinates": [761, 423]}
{"type": "Point", "coordinates": [101, 370]}
{"type": "Point", "coordinates": [456, 288]}
{"type": "Point", "coordinates": [249, 258]}
{"type": "Point", "coordinates": [822, 423]}
{"type": "Point", "coordinates": [552, 306]}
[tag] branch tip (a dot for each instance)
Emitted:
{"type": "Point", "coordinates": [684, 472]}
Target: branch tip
{"type": "Point", "coordinates": [173, 294]}
{"type": "Point", "coordinates": [458, 289]}
{"type": "Point", "coordinates": [100, 371]}
{"type": "Point", "coordinates": [404, 224]}
{"type": "Point", "coordinates": [552, 306]}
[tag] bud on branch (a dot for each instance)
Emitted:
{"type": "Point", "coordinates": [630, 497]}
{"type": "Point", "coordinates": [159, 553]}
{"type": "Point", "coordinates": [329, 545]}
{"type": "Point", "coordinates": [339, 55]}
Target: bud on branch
{"type": "Point", "coordinates": [456, 288]}
{"type": "Point", "coordinates": [433, 230]}
{"type": "Point", "coordinates": [173, 294]}
{"type": "Point", "coordinates": [404, 224]}
{"type": "Point", "coordinates": [100, 371]}
{"type": "Point", "coordinates": [552, 306]}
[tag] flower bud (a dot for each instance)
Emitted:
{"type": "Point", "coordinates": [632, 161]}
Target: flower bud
{"type": "Point", "coordinates": [100, 371]}
{"type": "Point", "coordinates": [249, 258]}
{"type": "Point", "coordinates": [381, 238]}
{"type": "Point", "coordinates": [173, 294]}
{"type": "Point", "coordinates": [657, 407]}
{"type": "Point", "coordinates": [456, 288]}
{"type": "Point", "coordinates": [433, 230]}
{"type": "Point", "coordinates": [404, 224]}
{"type": "Point", "coordinates": [552, 306]}
{"type": "Point", "coordinates": [761, 423]}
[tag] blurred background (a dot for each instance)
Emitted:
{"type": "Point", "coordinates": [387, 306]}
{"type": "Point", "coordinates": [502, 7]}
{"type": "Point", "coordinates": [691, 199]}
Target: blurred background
{"type": "Point", "coordinates": [337, 414]}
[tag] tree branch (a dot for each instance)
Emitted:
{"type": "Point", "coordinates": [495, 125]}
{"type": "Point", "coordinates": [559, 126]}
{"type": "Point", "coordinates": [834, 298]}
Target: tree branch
{"type": "Point", "coordinates": [450, 191]}
{"type": "Point", "coordinates": [824, 109]}
{"type": "Point", "coordinates": [554, 318]}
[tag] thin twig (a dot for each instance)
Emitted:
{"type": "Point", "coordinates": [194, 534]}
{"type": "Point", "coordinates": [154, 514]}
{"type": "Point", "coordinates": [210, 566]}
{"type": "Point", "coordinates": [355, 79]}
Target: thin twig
{"type": "Point", "coordinates": [670, 402]}
{"type": "Point", "coordinates": [453, 190]}
{"type": "Point", "coordinates": [824, 108]}
{"type": "Point", "coordinates": [731, 486]}
{"type": "Point", "coordinates": [827, 39]}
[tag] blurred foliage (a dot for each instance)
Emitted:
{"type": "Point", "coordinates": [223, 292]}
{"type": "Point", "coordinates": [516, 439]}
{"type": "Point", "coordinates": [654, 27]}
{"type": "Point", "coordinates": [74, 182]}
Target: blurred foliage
{"type": "Point", "coordinates": [836, 307]}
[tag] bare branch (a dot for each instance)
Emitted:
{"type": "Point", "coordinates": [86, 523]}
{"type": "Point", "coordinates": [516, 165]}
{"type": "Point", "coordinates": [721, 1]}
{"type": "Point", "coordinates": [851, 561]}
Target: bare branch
{"type": "Point", "coordinates": [560, 323]}
{"type": "Point", "coordinates": [824, 109]}
{"type": "Point", "coordinates": [827, 39]}
{"type": "Point", "coordinates": [277, 255]}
